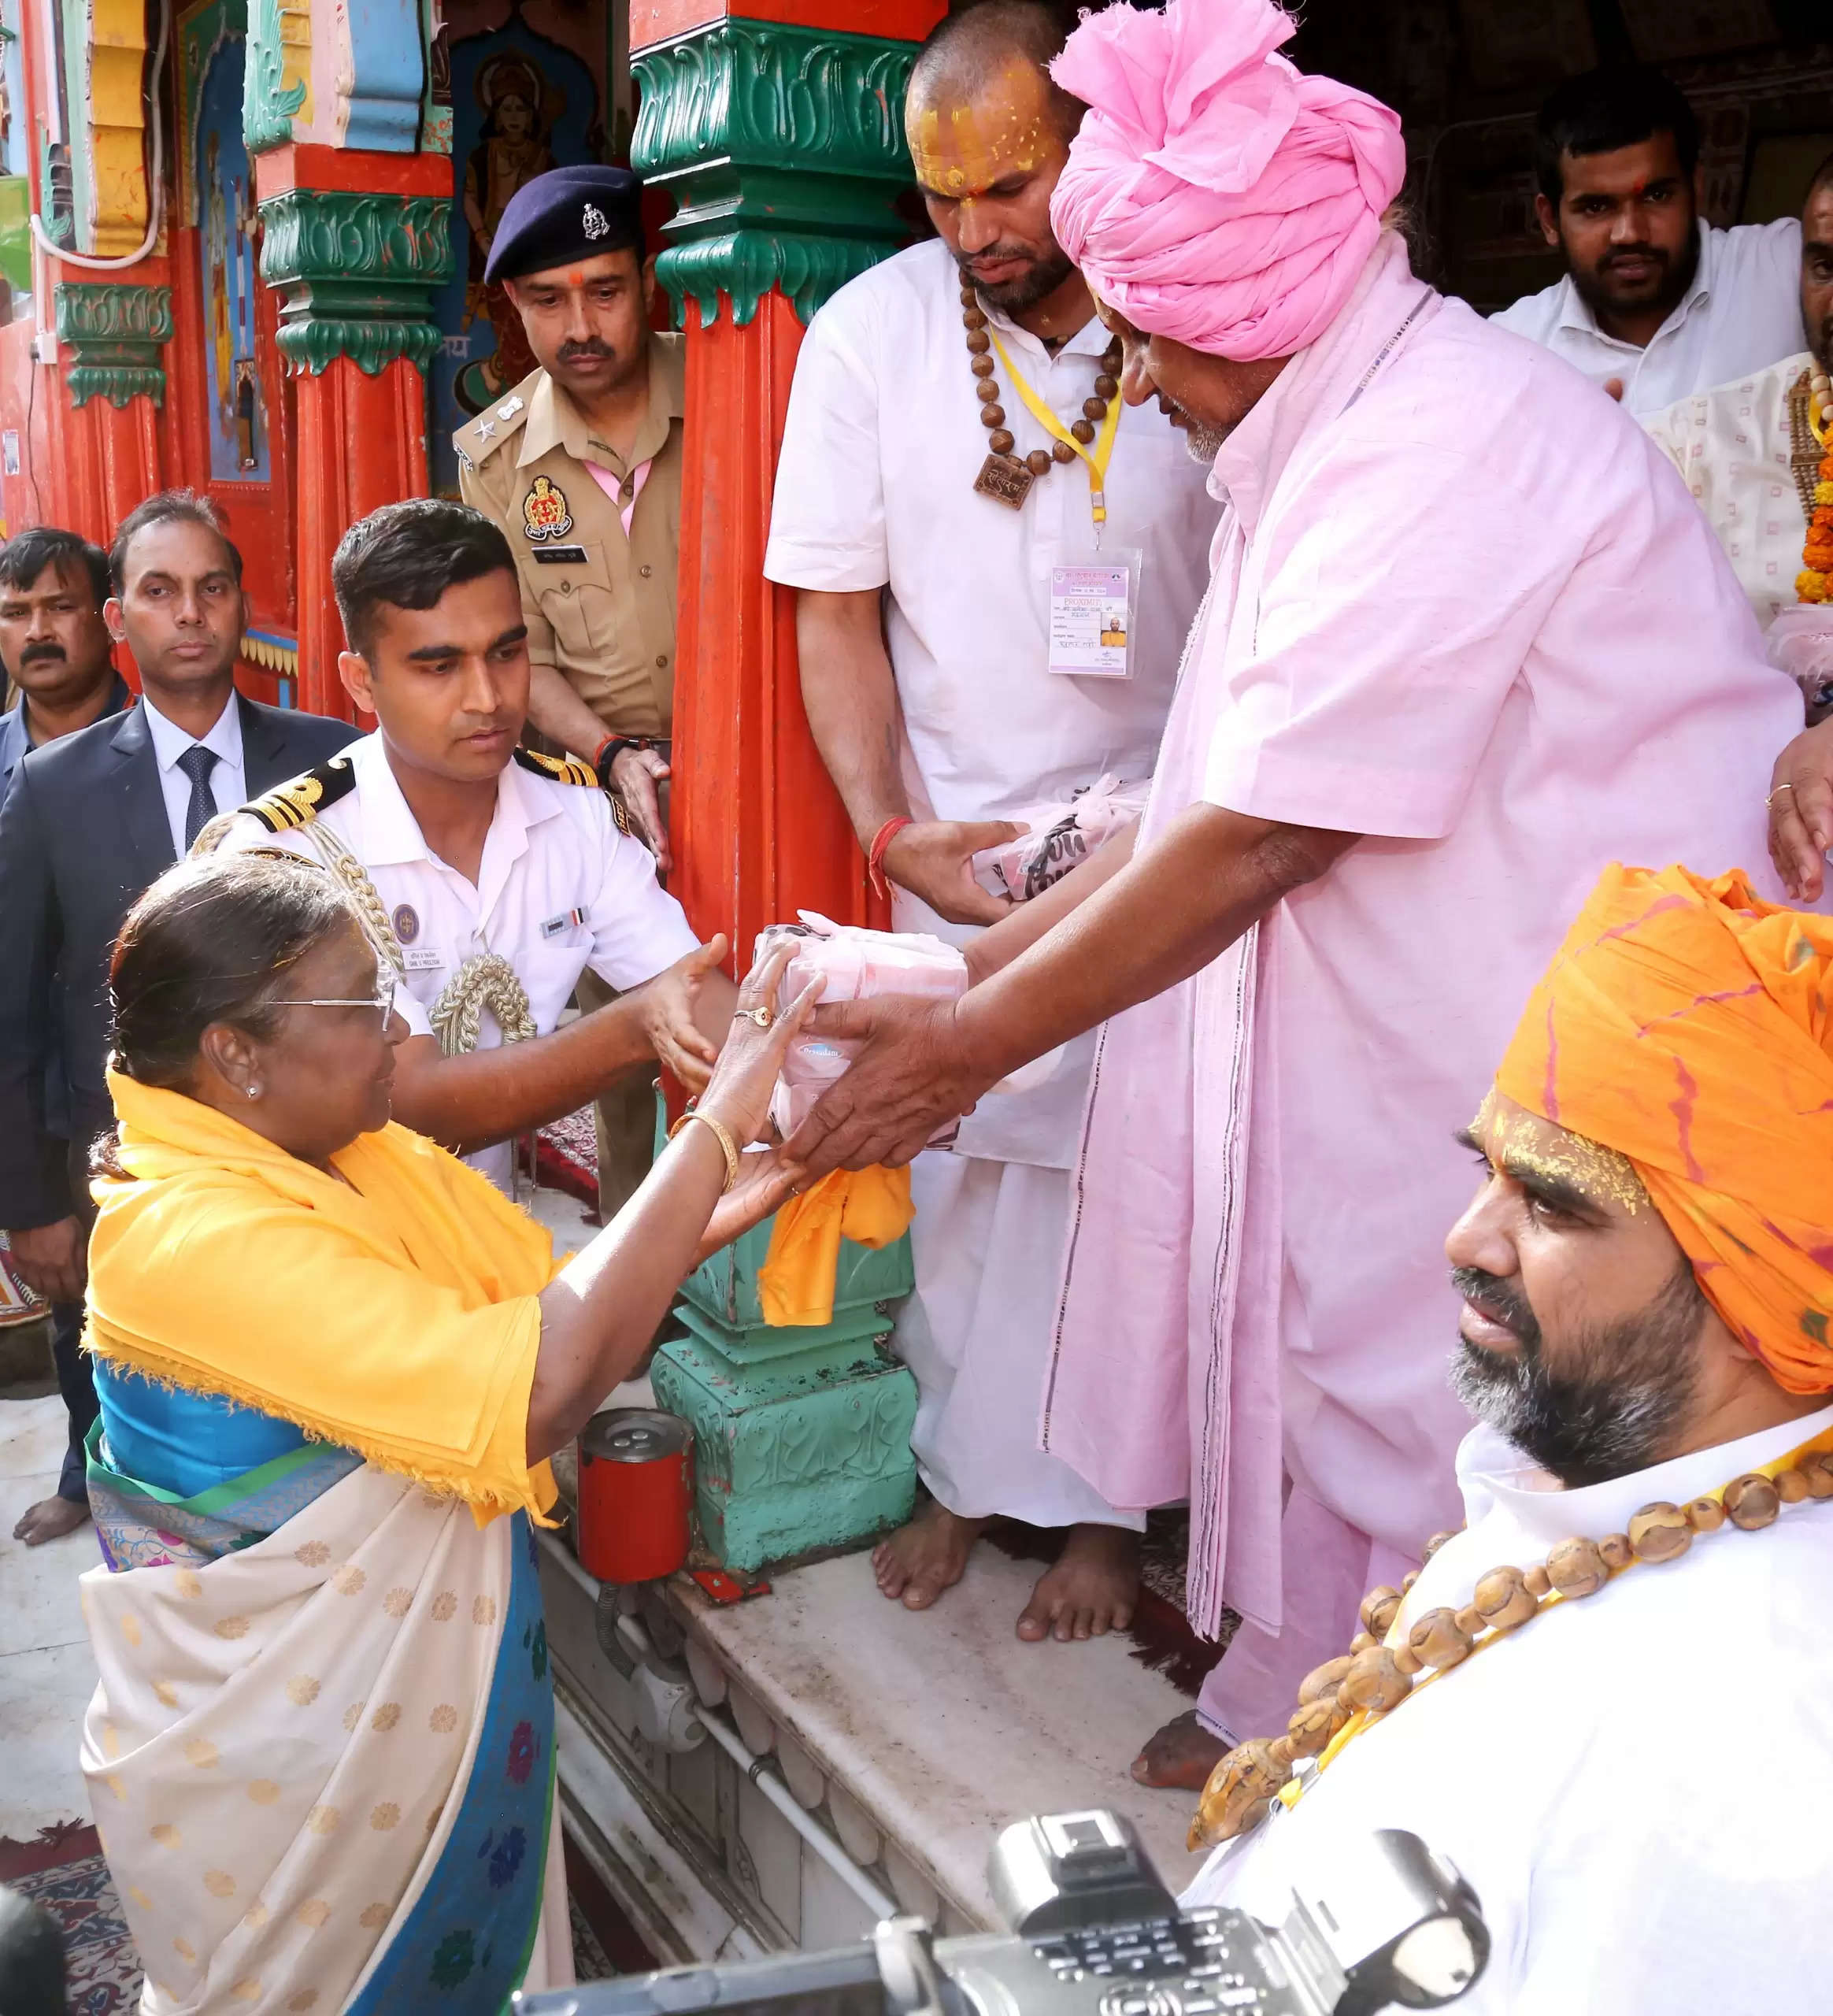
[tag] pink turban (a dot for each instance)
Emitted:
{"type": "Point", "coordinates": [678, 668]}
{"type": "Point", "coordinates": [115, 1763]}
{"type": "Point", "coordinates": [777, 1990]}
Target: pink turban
{"type": "Point", "coordinates": [1215, 194]}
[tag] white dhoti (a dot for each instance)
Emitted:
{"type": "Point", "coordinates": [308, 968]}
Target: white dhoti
{"type": "Point", "coordinates": [987, 1243]}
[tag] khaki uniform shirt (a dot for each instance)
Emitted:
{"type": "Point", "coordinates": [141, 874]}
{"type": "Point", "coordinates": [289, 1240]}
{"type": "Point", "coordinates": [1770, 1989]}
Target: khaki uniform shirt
{"type": "Point", "coordinates": [600, 607]}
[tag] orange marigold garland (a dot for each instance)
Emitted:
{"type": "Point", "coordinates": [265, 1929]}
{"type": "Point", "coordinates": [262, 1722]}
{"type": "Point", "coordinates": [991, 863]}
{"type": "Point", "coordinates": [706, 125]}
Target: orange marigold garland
{"type": "Point", "coordinates": [1812, 584]}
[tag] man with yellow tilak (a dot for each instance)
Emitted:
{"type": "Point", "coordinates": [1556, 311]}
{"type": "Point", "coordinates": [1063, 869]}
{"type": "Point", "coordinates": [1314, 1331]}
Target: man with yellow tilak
{"type": "Point", "coordinates": [1605, 1698]}
{"type": "Point", "coordinates": [996, 566]}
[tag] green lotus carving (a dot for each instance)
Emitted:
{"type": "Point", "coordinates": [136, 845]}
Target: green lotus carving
{"type": "Point", "coordinates": [114, 335]}
{"type": "Point", "coordinates": [356, 274]}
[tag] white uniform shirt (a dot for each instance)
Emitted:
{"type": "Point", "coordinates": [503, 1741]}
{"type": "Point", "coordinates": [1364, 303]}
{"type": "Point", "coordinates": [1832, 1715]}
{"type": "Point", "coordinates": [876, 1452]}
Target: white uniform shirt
{"type": "Point", "coordinates": [1741, 312]}
{"type": "Point", "coordinates": [1735, 447]}
{"type": "Point", "coordinates": [560, 888]}
{"type": "Point", "coordinates": [228, 786]}
{"type": "Point", "coordinates": [874, 489]}
{"type": "Point", "coordinates": [1636, 1784]}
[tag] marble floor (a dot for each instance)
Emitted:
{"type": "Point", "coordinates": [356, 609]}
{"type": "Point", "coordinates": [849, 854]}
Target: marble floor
{"type": "Point", "coordinates": [46, 1674]}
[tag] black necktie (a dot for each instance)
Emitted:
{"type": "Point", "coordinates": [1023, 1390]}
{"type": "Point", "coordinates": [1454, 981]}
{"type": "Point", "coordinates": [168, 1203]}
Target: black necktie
{"type": "Point", "coordinates": [197, 763]}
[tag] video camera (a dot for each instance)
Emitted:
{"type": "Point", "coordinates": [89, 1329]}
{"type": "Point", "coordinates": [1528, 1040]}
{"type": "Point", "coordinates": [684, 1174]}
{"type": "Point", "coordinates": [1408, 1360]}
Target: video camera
{"type": "Point", "coordinates": [1382, 1923]}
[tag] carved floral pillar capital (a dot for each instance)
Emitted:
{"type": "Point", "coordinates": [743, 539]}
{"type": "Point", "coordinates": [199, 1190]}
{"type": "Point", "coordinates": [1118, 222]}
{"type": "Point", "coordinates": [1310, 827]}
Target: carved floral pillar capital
{"type": "Point", "coordinates": [783, 147]}
{"type": "Point", "coordinates": [114, 334]}
{"type": "Point", "coordinates": [356, 272]}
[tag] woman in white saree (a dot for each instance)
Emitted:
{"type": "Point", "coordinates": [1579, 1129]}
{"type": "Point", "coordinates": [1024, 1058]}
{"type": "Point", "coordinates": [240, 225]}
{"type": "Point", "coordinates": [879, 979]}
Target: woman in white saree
{"type": "Point", "coordinates": [332, 1363]}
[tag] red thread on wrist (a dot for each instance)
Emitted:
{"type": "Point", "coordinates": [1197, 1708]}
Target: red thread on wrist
{"type": "Point", "coordinates": [875, 859]}
{"type": "Point", "coordinates": [598, 753]}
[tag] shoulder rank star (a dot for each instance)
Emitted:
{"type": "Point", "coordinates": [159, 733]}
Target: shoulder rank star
{"type": "Point", "coordinates": [544, 510]}
{"type": "Point", "coordinates": [485, 429]}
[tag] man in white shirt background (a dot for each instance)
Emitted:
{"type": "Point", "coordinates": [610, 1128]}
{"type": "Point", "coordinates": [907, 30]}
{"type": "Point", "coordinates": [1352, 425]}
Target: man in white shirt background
{"type": "Point", "coordinates": [925, 567]}
{"type": "Point", "coordinates": [1656, 303]}
{"type": "Point", "coordinates": [491, 878]}
{"type": "Point", "coordinates": [1632, 1766]}
{"type": "Point", "coordinates": [93, 817]}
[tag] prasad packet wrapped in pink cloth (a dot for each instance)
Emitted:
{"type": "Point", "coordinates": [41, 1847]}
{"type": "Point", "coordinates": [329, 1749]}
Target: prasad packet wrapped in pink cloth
{"type": "Point", "coordinates": [852, 964]}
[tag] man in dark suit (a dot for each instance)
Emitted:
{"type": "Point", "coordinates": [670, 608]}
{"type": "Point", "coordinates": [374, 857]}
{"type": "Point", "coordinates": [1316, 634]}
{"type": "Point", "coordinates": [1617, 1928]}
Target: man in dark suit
{"type": "Point", "coordinates": [56, 650]}
{"type": "Point", "coordinates": [88, 823]}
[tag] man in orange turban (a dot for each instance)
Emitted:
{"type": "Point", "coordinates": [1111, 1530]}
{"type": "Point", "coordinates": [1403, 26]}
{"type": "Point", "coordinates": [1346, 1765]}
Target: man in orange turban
{"type": "Point", "coordinates": [1646, 1569]}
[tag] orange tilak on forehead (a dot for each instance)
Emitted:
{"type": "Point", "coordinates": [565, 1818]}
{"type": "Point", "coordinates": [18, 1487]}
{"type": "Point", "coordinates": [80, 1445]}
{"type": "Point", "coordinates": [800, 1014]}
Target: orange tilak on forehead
{"type": "Point", "coordinates": [961, 149]}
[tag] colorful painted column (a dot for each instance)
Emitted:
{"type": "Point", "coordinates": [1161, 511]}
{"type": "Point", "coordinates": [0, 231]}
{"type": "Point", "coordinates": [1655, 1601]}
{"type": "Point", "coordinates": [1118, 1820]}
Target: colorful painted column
{"type": "Point", "coordinates": [356, 201]}
{"type": "Point", "coordinates": [777, 125]}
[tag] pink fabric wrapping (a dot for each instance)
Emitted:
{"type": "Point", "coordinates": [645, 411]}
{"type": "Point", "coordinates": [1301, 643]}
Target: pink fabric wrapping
{"type": "Point", "coordinates": [1060, 836]}
{"type": "Point", "coordinates": [852, 964]}
{"type": "Point", "coordinates": [1215, 194]}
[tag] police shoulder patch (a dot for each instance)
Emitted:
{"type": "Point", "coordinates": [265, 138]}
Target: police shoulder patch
{"type": "Point", "coordinates": [562, 769]}
{"type": "Point", "coordinates": [301, 799]}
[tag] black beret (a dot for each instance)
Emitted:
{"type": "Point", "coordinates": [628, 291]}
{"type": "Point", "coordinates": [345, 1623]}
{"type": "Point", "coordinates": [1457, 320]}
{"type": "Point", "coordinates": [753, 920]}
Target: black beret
{"type": "Point", "coordinates": [567, 214]}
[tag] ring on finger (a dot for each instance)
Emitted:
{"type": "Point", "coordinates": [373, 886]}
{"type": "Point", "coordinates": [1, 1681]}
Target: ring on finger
{"type": "Point", "coordinates": [762, 1017]}
{"type": "Point", "coordinates": [1774, 794]}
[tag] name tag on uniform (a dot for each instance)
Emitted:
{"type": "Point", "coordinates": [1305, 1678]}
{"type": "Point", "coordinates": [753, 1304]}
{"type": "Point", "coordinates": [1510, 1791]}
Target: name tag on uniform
{"type": "Point", "coordinates": [560, 556]}
{"type": "Point", "coordinates": [554, 927]}
{"type": "Point", "coordinates": [1092, 604]}
{"type": "Point", "coordinates": [422, 958]}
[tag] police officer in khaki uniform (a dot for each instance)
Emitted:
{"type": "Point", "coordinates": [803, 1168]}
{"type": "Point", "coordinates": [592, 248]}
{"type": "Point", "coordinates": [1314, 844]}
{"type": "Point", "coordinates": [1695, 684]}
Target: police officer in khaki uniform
{"type": "Point", "coordinates": [580, 465]}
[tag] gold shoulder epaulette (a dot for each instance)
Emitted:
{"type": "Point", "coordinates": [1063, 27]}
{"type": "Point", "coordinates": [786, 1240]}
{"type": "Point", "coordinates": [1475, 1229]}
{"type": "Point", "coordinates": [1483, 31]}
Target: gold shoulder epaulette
{"type": "Point", "coordinates": [301, 799]}
{"type": "Point", "coordinates": [562, 769]}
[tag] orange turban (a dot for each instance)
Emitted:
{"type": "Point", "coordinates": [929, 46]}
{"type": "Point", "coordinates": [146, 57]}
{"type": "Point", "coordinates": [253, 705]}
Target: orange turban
{"type": "Point", "coordinates": [1689, 1025]}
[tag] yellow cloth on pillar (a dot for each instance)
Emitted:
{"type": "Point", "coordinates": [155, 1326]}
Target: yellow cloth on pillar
{"type": "Point", "coordinates": [870, 1206]}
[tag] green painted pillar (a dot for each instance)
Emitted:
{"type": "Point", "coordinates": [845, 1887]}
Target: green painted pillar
{"type": "Point", "coordinates": [782, 144]}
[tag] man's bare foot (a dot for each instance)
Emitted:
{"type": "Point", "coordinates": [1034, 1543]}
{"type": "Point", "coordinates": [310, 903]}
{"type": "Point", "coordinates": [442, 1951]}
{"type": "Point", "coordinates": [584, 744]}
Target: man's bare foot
{"type": "Point", "coordinates": [49, 1520]}
{"type": "Point", "coordinates": [1180, 1756]}
{"type": "Point", "coordinates": [928, 1555]}
{"type": "Point", "coordinates": [1090, 1592]}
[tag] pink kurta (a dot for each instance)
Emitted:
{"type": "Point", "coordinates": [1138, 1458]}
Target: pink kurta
{"type": "Point", "coordinates": [1461, 606]}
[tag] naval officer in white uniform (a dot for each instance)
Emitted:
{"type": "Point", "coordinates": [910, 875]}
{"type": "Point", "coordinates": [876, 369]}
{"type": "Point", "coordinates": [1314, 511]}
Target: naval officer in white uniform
{"type": "Point", "coordinates": [491, 878]}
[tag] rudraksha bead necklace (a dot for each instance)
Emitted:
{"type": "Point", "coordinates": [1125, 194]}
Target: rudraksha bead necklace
{"type": "Point", "coordinates": [1372, 1679]}
{"type": "Point", "coordinates": [1005, 477]}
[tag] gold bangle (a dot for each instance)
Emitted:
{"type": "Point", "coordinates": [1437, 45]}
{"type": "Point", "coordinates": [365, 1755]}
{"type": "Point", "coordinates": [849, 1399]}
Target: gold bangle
{"type": "Point", "coordinates": [726, 1143]}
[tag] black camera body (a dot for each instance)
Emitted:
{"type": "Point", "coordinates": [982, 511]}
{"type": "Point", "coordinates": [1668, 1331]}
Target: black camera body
{"type": "Point", "coordinates": [1383, 1923]}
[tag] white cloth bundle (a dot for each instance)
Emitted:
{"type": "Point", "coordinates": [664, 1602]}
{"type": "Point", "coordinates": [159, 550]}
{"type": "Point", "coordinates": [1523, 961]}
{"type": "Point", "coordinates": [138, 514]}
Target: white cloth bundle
{"type": "Point", "coordinates": [852, 964]}
{"type": "Point", "coordinates": [1062, 835]}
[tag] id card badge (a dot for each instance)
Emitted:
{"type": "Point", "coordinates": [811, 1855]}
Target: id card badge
{"type": "Point", "coordinates": [1094, 599]}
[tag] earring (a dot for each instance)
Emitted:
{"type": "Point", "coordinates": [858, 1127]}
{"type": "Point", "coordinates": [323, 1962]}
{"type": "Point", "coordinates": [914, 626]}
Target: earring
{"type": "Point", "coordinates": [254, 1091]}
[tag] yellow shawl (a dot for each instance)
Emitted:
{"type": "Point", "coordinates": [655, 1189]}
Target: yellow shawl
{"type": "Point", "coordinates": [396, 1318]}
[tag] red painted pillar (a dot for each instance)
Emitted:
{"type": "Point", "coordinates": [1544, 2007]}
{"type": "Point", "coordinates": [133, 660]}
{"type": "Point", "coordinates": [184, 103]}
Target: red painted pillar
{"type": "Point", "coordinates": [778, 126]}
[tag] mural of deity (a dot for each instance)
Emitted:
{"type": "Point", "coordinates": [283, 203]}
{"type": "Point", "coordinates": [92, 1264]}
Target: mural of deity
{"type": "Point", "coordinates": [519, 112]}
{"type": "Point", "coordinates": [226, 252]}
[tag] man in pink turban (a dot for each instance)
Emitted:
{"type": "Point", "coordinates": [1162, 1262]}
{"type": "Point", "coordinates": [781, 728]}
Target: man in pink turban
{"type": "Point", "coordinates": [1467, 640]}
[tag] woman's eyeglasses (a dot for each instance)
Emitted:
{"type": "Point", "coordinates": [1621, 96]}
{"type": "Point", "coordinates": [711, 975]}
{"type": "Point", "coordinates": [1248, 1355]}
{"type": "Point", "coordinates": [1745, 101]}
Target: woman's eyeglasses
{"type": "Point", "coordinates": [383, 998]}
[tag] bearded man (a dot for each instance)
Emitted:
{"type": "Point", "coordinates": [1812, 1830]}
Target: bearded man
{"type": "Point", "coordinates": [1656, 302]}
{"type": "Point", "coordinates": [949, 688]}
{"type": "Point", "coordinates": [1445, 672]}
{"type": "Point", "coordinates": [1644, 1339]}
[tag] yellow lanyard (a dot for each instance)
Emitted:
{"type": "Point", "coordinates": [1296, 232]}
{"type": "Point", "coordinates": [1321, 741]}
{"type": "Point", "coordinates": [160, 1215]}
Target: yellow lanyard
{"type": "Point", "coordinates": [1097, 457]}
{"type": "Point", "coordinates": [1363, 1719]}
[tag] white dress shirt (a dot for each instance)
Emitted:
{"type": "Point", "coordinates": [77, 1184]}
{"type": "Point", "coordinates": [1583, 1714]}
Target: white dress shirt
{"type": "Point", "coordinates": [1742, 312]}
{"type": "Point", "coordinates": [874, 489]}
{"type": "Point", "coordinates": [1637, 1784]}
{"type": "Point", "coordinates": [1736, 450]}
{"type": "Point", "coordinates": [559, 889]}
{"type": "Point", "coordinates": [228, 786]}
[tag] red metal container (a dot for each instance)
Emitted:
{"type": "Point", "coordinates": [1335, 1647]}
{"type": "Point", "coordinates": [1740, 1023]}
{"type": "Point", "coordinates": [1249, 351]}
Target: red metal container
{"type": "Point", "coordinates": [635, 1490]}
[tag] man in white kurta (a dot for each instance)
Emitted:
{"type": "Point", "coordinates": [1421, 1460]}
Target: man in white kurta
{"type": "Point", "coordinates": [875, 496]}
{"type": "Point", "coordinates": [1632, 1780]}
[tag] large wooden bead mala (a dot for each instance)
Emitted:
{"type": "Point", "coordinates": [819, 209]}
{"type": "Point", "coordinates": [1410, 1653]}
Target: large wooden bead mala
{"type": "Point", "coordinates": [1007, 477]}
{"type": "Point", "coordinates": [1373, 1678]}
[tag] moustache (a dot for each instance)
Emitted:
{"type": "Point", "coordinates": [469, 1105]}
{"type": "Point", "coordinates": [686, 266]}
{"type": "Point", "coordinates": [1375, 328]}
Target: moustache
{"type": "Point", "coordinates": [1499, 1299]}
{"type": "Point", "coordinates": [1625, 252]}
{"type": "Point", "coordinates": [32, 653]}
{"type": "Point", "coordinates": [571, 352]}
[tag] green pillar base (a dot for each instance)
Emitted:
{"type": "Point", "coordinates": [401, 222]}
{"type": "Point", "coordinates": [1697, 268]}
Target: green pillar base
{"type": "Point", "coordinates": [801, 1435]}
